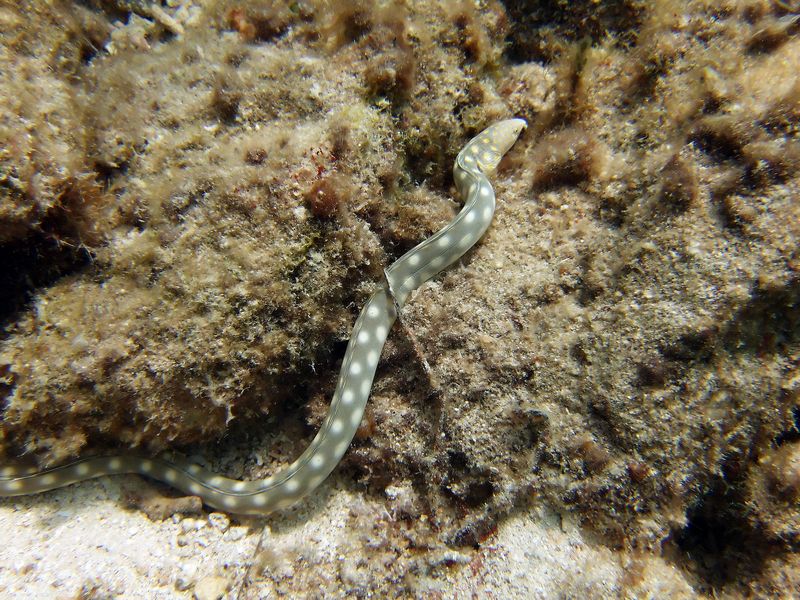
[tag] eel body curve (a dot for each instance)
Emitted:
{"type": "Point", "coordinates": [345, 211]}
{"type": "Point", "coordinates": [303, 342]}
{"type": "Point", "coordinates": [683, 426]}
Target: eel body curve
{"type": "Point", "coordinates": [476, 160]}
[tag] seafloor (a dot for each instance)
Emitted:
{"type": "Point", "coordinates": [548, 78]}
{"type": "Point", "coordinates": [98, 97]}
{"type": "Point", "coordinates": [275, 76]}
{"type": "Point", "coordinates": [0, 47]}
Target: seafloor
{"type": "Point", "coordinates": [600, 401]}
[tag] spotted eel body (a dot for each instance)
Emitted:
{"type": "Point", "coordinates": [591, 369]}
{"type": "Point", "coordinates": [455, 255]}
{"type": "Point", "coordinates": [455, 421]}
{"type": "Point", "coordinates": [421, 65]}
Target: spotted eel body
{"type": "Point", "coordinates": [475, 161]}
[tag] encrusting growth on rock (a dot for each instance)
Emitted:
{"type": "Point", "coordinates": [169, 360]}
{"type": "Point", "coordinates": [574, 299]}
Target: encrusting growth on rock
{"type": "Point", "coordinates": [197, 200]}
{"type": "Point", "coordinates": [478, 159]}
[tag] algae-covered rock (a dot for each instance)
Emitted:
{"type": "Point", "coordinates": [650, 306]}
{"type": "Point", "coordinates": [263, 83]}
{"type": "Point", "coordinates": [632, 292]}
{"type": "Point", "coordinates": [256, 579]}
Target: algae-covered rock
{"type": "Point", "coordinates": [622, 347]}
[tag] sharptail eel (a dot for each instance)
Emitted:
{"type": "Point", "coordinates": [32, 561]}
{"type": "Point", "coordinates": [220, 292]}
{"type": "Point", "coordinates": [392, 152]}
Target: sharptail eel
{"type": "Point", "coordinates": [476, 160]}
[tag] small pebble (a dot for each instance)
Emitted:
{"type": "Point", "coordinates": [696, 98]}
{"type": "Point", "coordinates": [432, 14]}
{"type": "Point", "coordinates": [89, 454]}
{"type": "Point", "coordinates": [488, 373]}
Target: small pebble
{"type": "Point", "coordinates": [236, 533]}
{"type": "Point", "coordinates": [219, 521]}
{"type": "Point", "coordinates": [189, 525]}
{"type": "Point", "coordinates": [211, 588]}
{"type": "Point", "coordinates": [188, 571]}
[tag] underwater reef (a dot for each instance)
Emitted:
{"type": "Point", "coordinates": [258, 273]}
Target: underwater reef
{"type": "Point", "coordinates": [197, 197]}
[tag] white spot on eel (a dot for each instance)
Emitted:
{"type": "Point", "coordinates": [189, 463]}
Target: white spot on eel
{"type": "Point", "coordinates": [411, 270]}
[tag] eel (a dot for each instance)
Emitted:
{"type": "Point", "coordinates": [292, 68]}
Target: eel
{"type": "Point", "coordinates": [474, 162]}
